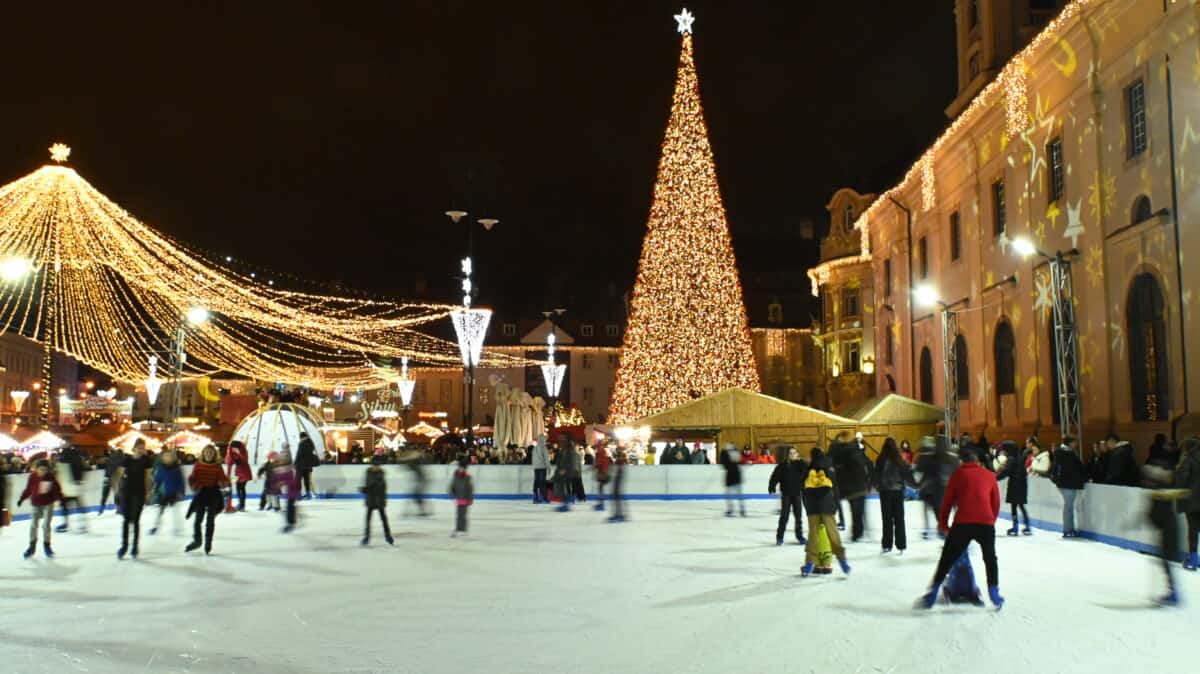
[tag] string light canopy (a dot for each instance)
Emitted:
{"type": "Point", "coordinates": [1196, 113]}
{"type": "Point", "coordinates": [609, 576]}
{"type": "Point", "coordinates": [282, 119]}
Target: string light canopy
{"type": "Point", "coordinates": [87, 279]}
{"type": "Point", "coordinates": [687, 334]}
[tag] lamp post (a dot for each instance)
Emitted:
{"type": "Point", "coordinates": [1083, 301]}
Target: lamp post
{"type": "Point", "coordinates": [926, 296]}
{"type": "Point", "coordinates": [1066, 340]}
{"type": "Point", "coordinates": [195, 317]}
{"type": "Point", "coordinates": [470, 325]}
{"type": "Point", "coordinates": [553, 375]}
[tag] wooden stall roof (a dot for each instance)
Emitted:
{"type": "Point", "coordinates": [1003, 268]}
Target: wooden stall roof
{"type": "Point", "coordinates": [895, 408]}
{"type": "Point", "coordinates": [739, 407]}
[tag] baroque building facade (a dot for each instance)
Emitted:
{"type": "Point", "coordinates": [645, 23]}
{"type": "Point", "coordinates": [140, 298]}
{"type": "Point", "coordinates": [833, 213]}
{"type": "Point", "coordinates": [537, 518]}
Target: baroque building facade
{"type": "Point", "coordinates": [1085, 142]}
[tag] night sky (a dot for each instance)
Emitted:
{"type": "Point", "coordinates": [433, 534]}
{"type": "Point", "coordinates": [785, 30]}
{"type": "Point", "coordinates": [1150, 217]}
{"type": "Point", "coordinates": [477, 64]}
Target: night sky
{"type": "Point", "coordinates": [325, 140]}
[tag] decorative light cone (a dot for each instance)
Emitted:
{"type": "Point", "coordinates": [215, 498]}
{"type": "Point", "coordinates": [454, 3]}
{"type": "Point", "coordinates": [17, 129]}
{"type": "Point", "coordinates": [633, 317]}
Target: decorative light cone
{"type": "Point", "coordinates": [406, 386]}
{"type": "Point", "coordinates": [470, 325]}
{"type": "Point", "coordinates": [19, 398]}
{"type": "Point", "coordinates": [554, 375]}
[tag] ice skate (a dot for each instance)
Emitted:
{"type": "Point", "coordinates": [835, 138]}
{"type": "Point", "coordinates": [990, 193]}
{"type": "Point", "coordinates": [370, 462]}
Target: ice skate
{"type": "Point", "coordinates": [927, 600]}
{"type": "Point", "coordinates": [389, 539]}
{"type": "Point", "coordinates": [1011, 532]}
{"type": "Point", "coordinates": [779, 540]}
{"type": "Point", "coordinates": [884, 551]}
{"type": "Point", "coordinates": [62, 528]}
{"type": "Point", "coordinates": [599, 507]}
{"type": "Point", "coordinates": [845, 566]}
{"type": "Point", "coordinates": [365, 541]}
{"type": "Point", "coordinates": [133, 552]}
{"type": "Point", "coordinates": [121, 552]}
{"type": "Point", "coordinates": [153, 530]}
{"type": "Point", "coordinates": [806, 570]}
{"type": "Point", "coordinates": [287, 529]}
{"type": "Point", "coordinates": [1168, 600]}
{"type": "Point", "coordinates": [802, 540]}
{"type": "Point", "coordinates": [616, 518]}
{"type": "Point", "coordinates": [1027, 531]}
{"type": "Point", "coordinates": [1192, 561]}
{"type": "Point", "coordinates": [29, 550]}
{"type": "Point", "coordinates": [48, 551]}
{"type": "Point", "coordinates": [192, 546]}
{"type": "Point", "coordinates": [994, 595]}
{"type": "Point", "coordinates": [564, 508]}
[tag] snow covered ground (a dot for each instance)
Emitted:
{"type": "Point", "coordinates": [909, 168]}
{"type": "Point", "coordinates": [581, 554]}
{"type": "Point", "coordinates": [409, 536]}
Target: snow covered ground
{"type": "Point", "coordinates": [679, 588]}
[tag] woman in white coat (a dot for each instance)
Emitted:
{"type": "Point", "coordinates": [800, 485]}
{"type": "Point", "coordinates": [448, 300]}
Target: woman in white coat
{"type": "Point", "coordinates": [541, 463]}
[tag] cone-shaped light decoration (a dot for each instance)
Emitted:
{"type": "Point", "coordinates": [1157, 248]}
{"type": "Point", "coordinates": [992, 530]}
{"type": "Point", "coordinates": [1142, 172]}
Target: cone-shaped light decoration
{"type": "Point", "coordinates": [551, 373]}
{"type": "Point", "coordinates": [470, 325]}
{"type": "Point", "coordinates": [687, 333]}
{"type": "Point", "coordinates": [153, 383]}
{"type": "Point", "coordinates": [406, 384]}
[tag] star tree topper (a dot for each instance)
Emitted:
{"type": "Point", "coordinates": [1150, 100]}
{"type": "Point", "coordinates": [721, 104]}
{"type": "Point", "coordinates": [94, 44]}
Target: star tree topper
{"type": "Point", "coordinates": [59, 152]}
{"type": "Point", "coordinates": [685, 20]}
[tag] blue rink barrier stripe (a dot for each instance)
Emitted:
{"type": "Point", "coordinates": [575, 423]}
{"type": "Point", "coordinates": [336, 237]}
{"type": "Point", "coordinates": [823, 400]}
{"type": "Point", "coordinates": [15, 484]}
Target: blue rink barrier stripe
{"type": "Point", "coordinates": [1123, 543]}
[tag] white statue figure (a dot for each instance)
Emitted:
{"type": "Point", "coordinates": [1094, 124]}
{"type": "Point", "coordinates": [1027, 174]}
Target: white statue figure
{"type": "Point", "coordinates": [500, 421]}
{"type": "Point", "coordinates": [539, 418]}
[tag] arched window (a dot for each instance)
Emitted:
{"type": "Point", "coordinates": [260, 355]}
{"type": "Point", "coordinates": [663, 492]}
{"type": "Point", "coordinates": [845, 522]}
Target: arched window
{"type": "Point", "coordinates": [848, 217]}
{"type": "Point", "coordinates": [962, 368]}
{"type": "Point", "coordinates": [926, 376]}
{"type": "Point", "coordinates": [1146, 315]}
{"type": "Point", "coordinates": [1005, 349]}
{"type": "Point", "coordinates": [1141, 210]}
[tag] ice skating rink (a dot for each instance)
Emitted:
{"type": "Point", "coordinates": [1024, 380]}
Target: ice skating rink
{"type": "Point", "coordinates": [678, 588]}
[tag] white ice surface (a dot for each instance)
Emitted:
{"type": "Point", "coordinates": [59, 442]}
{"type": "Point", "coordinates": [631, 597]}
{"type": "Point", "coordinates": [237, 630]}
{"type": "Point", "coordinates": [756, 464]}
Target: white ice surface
{"type": "Point", "coordinates": [679, 588]}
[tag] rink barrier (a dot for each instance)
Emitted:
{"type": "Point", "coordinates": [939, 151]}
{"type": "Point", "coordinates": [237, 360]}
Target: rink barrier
{"type": "Point", "coordinates": [1104, 513]}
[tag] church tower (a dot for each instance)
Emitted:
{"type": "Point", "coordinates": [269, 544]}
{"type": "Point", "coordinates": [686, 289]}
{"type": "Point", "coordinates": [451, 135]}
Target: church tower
{"type": "Point", "coordinates": [989, 33]}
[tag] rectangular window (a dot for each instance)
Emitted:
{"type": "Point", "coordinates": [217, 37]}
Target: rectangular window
{"type": "Point", "coordinates": [1054, 161]}
{"type": "Point", "coordinates": [923, 257]}
{"type": "Point", "coordinates": [850, 303]}
{"type": "Point", "coordinates": [421, 392]}
{"type": "Point", "coordinates": [510, 329]}
{"type": "Point", "coordinates": [999, 223]}
{"type": "Point", "coordinates": [611, 330]}
{"type": "Point", "coordinates": [955, 236]}
{"type": "Point", "coordinates": [613, 361]}
{"type": "Point", "coordinates": [887, 278]}
{"type": "Point", "coordinates": [586, 361]}
{"type": "Point", "coordinates": [1135, 109]}
{"type": "Point", "coordinates": [445, 391]}
{"type": "Point", "coordinates": [889, 341]}
{"type": "Point", "coordinates": [827, 307]}
{"type": "Point", "coordinates": [587, 394]}
{"type": "Point", "coordinates": [586, 330]}
{"type": "Point", "coordinates": [850, 361]}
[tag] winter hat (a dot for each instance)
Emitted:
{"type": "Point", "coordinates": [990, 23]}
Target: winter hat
{"type": "Point", "coordinates": [272, 456]}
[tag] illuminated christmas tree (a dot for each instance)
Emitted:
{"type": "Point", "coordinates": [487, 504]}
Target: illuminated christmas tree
{"type": "Point", "coordinates": [687, 334]}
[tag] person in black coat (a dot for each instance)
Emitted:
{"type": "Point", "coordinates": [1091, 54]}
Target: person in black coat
{"type": "Point", "coordinates": [788, 475]}
{"type": "Point", "coordinates": [1121, 467]}
{"type": "Point", "coordinates": [76, 466]}
{"type": "Point", "coordinates": [893, 474]}
{"type": "Point", "coordinates": [935, 465]}
{"type": "Point", "coordinates": [730, 460]}
{"type": "Point", "coordinates": [1069, 476]}
{"type": "Point", "coordinates": [306, 460]}
{"type": "Point", "coordinates": [821, 503]}
{"type": "Point", "coordinates": [853, 479]}
{"type": "Point", "coordinates": [1017, 494]}
{"type": "Point", "coordinates": [115, 458]}
{"type": "Point", "coordinates": [1187, 476]}
{"type": "Point", "coordinates": [374, 491]}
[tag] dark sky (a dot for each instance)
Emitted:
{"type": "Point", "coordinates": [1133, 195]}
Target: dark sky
{"type": "Point", "coordinates": [326, 139]}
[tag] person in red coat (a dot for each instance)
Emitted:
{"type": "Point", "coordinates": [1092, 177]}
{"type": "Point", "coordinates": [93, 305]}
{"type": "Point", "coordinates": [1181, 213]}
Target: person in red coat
{"type": "Point", "coordinates": [43, 491]}
{"type": "Point", "coordinates": [207, 480]}
{"type": "Point", "coordinates": [975, 495]}
{"type": "Point", "coordinates": [237, 467]}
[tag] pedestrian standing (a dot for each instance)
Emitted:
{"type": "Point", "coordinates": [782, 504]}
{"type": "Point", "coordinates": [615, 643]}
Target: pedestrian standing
{"type": "Point", "coordinates": [893, 476]}
{"type": "Point", "coordinates": [463, 493]}
{"type": "Point", "coordinates": [374, 491]}
{"type": "Point", "coordinates": [207, 481]}
{"type": "Point", "coordinates": [790, 471]}
{"type": "Point", "coordinates": [1017, 493]}
{"type": "Point", "coordinates": [566, 469]}
{"type": "Point", "coordinates": [821, 502]}
{"type": "Point", "coordinates": [541, 464]}
{"type": "Point", "coordinates": [974, 496]}
{"type": "Point", "coordinates": [43, 491]}
{"type": "Point", "coordinates": [853, 471]}
{"type": "Point", "coordinates": [168, 489]}
{"type": "Point", "coordinates": [306, 461]}
{"type": "Point", "coordinates": [237, 467]}
{"type": "Point", "coordinates": [1068, 475]}
{"type": "Point", "coordinates": [1187, 476]}
{"type": "Point", "coordinates": [135, 487]}
{"type": "Point", "coordinates": [264, 474]}
{"type": "Point", "coordinates": [731, 460]}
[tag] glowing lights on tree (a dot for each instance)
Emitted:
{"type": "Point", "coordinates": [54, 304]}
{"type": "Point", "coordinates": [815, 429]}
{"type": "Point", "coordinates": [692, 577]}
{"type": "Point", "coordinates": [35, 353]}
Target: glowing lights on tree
{"type": "Point", "coordinates": [687, 331]}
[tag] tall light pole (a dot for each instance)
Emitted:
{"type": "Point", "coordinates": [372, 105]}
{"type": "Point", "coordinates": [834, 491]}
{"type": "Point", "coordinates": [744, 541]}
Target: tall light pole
{"type": "Point", "coordinates": [1066, 342]}
{"type": "Point", "coordinates": [196, 317]}
{"type": "Point", "coordinates": [926, 296]}
{"type": "Point", "coordinates": [470, 325]}
{"type": "Point", "coordinates": [553, 374]}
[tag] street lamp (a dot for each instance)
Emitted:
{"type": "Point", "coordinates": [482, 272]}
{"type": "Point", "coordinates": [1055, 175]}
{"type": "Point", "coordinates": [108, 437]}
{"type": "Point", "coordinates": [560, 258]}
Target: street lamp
{"type": "Point", "coordinates": [470, 325]}
{"type": "Point", "coordinates": [195, 316]}
{"type": "Point", "coordinates": [1066, 337]}
{"type": "Point", "coordinates": [927, 296]}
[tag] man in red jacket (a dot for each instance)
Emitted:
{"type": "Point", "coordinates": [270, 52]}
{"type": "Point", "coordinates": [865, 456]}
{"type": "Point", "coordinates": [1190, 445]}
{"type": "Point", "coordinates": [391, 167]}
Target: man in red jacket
{"type": "Point", "coordinates": [975, 494]}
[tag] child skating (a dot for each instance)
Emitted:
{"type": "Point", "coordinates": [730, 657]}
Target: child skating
{"type": "Point", "coordinates": [286, 482]}
{"type": "Point", "coordinates": [374, 490]}
{"type": "Point", "coordinates": [462, 490]}
{"type": "Point", "coordinates": [168, 489]}
{"type": "Point", "coordinates": [43, 491]}
{"type": "Point", "coordinates": [821, 504]}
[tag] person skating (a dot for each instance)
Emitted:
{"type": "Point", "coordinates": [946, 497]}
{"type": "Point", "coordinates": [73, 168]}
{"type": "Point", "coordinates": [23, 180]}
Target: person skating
{"type": "Point", "coordinates": [620, 460]}
{"type": "Point", "coordinates": [731, 460]}
{"type": "Point", "coordinates": [462, 490]}
{"type": "Point", "coordinates": [541, 463]}
{"type": "Point", "coordinates": [893, 474]}
{"type": "Point", "coordinates": [566, 469]}
{"type": "Point", "coordinates": [413, 459]}
{"type": "Point", "coordinates": [1017, 494]}
{"type": "Point", "coordinates": [286, 481]}
{"type": "Point", "coordinates": [69, 470]}
{"type": "Point", "coordinates": [43, 491]}
{"type": "Point", "coordinates": [136, 485]}
{"type": "Point", "coordinates": [853, 471]}
{"type": "Point", "coordinates": [934, 467]}
{"type": "Point", "coordinates": [1068, 475]}
{"type": "Point", "coordinates": [973, 494]}
{"type": "Point", "coordinates": [1159, 478]}
{"type": "Point", "coordinates": [237, 467]}
{"type": "Point", "coordinates": [306, 461]}
{"type": "Point", "coordinates": [1187, 476]}
{"type": "Point", "coordinates": [821, 504]}
{"type": "Point", "coordinates": [112, 469]}
{"type": "Point", "coordinates": [788, 475]}
{"type": "Point", "coordinates": [207, 481]}
{"type": "Point", "coordinates": [602, 466]}
{"type": "Point", "coordinates": [168, 488]}
{"type": "Point", "coordinates": [374, 492]}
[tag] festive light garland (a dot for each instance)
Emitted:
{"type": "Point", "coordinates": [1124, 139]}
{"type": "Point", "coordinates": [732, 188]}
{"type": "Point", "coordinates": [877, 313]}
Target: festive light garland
{"type": "Point", "coordinates": [80, 273]}
{"type": "Point", "coordinates": [687, 333]}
